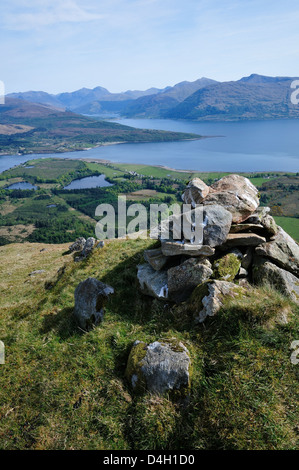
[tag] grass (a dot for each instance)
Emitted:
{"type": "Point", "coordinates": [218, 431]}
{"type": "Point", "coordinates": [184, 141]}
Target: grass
{"type": "Point", "coordinates": [62, 388]}
{"type": "Point", "coordinates": [290, 225]}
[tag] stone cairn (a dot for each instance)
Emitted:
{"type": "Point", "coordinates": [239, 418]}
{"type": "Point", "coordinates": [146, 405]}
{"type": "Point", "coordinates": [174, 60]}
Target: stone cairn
{"type": "Point", "coordinates": [241, 245]}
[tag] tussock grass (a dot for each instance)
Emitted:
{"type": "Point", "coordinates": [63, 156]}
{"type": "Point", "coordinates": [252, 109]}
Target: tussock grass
{"type": "Point", "coordinates": [63, 388]}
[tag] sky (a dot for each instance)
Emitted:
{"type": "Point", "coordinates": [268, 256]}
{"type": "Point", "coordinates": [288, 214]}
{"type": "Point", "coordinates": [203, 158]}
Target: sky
{"type": "Point", "coordinates": [64, 45]}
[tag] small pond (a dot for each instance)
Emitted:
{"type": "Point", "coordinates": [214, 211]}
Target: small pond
{"type": "Point", "coordinates": [22, 185]}
{"type": "Point", "coordinates": [89, 182]}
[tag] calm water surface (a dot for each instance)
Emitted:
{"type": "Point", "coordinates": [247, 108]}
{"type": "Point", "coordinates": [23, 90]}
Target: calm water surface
{"type": "Point", "coordinates": [239, 146]}
{"type": "Point", "coordinates": [21, 185]}
{"type": "Point", "coordinates": [89, 182]}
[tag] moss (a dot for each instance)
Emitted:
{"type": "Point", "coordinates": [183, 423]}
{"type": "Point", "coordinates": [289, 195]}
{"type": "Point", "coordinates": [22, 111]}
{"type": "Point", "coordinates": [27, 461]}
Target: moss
{"type": "Point", "coordinates": [137, 354]}
{"type": "Point", "coordinates": [227, 267]}
{"type": "Point", "coordinates": [201, 291]}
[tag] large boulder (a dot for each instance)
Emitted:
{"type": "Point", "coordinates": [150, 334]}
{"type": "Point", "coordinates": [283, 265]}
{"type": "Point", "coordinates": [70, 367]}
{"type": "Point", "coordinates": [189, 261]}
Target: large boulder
{"type": "Point", "coordinates": [160, 367]}
{"type": "Point", "coordinates": [208, 298]}
{"type": "Point", "coordinates": [184, 278]}
{"type": "Point", "coordinates": [152, 282]}
{"type": "Point", "coordinates": [284, 281]}
{"type": "Point", "coordinates": [195, 192]}
{"type": "Point", "coordinates": [236, 194]}
{"type": "Point", "coordinates": [90, 298]}
{"type": "Point", "coordinates": [283, 250]}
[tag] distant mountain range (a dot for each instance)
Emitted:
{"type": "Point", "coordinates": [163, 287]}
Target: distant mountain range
{"type": "Point", "coordinates": [253, 97]}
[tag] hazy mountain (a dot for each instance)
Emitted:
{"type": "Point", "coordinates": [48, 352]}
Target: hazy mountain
{"type": "Point", "coordinates": [38, 97]}
{"type": "Point", "coordinates": [254, 97]}
{"type": "Point", "coordinates": [86, 98]}
{"type": "Point", "coordinates": [156, 105]}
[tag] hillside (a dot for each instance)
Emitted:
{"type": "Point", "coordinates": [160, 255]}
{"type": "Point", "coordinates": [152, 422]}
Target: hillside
{"type": "Point", "coordinates": [157, 105]}
{"type": "Point", "coordinates": [54, 130]}
{"type": "Point", "coordinates": [62, 388]}
{"type": "Point", "coordinates": [254, 97]}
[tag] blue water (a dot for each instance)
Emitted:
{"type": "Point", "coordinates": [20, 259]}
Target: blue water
{"type": "Point", "coordinates": [240, 146]}
{"type": "Point", "coordinates": [21, 185]}
{"type": "Point", "coordinates": [89, 182]}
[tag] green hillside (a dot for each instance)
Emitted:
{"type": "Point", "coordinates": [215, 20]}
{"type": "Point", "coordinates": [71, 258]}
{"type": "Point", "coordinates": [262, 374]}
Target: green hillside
{"type": "Point", "coordinates": [63, 388]}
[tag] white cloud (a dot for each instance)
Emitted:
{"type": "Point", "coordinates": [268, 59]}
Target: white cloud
{"type": "Point", "coordinates": [42, 13]}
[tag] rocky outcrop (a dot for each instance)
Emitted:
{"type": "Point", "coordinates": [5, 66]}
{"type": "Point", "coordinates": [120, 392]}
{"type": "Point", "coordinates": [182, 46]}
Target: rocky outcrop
{"type": "Point", "coordinates": [83, 247]}
{"type": "Point", "coordinates": [88, 247]}
{"type": "Point", "coordinates": [160, 367]}
{"type": "Point", "coordinates": [90, 298]}
{"type": "Point", "coordinates": [78, 245]}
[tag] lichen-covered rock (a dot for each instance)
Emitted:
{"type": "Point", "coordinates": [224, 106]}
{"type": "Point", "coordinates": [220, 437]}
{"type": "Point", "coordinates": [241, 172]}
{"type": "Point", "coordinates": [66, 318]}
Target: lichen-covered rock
{"type": "Point", "coordinates": [195, 192]}
{"type": "Point", "coordinates": [184, 278]}
{"type": "Point", "coordinates": [88, 247]}
{"type": "Point", "coordinates": [283, 250]}
{"type": "Point", "coordinates": [208, 298]}
{"type": "Point", "coordinates": [176, 248]}
{"type": "Point", "coordinates": [257, 216]}
{"type": "Point", "coordinates": [227, 267]}
{"type": "Point", "coordinates": [269, 224]}
{"type": "Point", "coordinates": [78, 245]}
{"type": "Point", "coordinates": [236, 194]}
{"type": "Point", "coordinates": [284, 281]}
{"type": "Point", "coordinates": [244, 227]}
{"type": "Point", "coordinates": [242, 239]}
{"type": "Point", "coordinates": [151, 282]}
{"type": "Point", "coordinates": [155, 258]}
{"type": "Point", "coordinates": [160, 367]}
{"type": "Point", "coordinates": [90, 298]}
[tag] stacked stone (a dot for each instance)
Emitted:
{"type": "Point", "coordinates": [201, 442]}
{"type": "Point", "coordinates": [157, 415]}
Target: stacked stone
{"type": "Point", "coordinates": [241, 244]}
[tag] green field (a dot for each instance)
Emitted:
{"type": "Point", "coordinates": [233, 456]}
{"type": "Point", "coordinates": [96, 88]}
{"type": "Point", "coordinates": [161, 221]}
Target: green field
{"type": "Point", "coordinates": [290, 225]}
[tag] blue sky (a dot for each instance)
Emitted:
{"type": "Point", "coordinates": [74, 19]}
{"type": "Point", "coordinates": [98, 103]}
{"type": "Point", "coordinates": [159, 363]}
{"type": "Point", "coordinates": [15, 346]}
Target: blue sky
{"type": "Point", "coordinates": [64, 45]}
